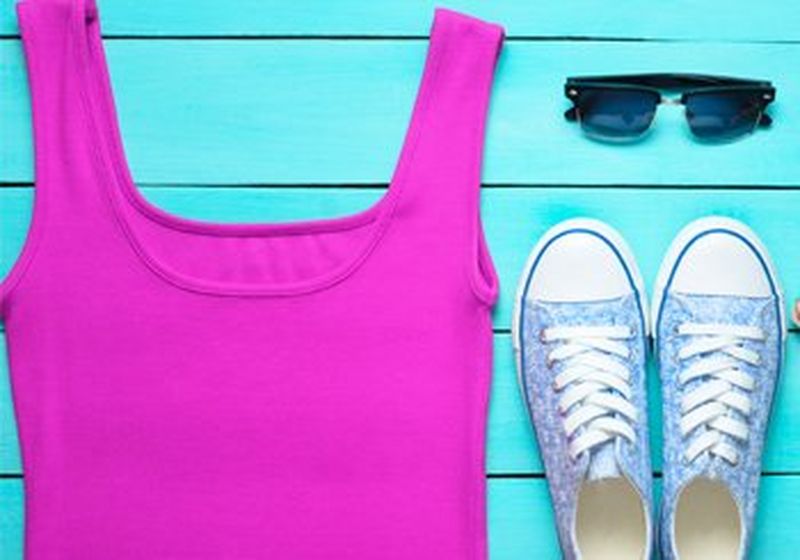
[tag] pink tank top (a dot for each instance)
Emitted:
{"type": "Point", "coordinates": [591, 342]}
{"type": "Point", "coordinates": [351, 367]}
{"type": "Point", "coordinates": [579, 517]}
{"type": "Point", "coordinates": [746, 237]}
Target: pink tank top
{"type": "Point", "coordinates": [189, 390]}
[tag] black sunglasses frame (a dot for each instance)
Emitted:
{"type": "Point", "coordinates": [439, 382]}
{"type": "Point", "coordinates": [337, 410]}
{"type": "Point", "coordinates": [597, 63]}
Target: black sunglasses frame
{"type": "Point", "coordinates": [656, 84]}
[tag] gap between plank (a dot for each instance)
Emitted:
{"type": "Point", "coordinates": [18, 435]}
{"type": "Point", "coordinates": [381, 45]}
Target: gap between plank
{"type": "Point", "coordinates": [656, 474]}
{"type": "Point", "coordinates": [497, 476]}
{"type": "Point", "coordinates": [500, 186]}
{"type": "Point", "coordinates": [793, 329]}
{"type": "Point", "coordinates": [487, 185]}
{"type": "Point", "coordinates": [415, 37]}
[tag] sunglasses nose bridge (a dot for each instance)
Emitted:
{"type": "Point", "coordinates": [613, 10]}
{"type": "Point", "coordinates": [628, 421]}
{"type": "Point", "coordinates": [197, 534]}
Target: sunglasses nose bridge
{"type": "Point", "coordinates": [671, 101]}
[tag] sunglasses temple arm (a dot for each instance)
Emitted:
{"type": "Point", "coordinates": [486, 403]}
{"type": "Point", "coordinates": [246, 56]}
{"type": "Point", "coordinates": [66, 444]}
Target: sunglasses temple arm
{"type": "Point", "coordinates": [572, 114]}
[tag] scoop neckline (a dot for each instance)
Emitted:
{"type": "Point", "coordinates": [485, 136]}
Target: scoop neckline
{"type": "Point", "coordinates": [120, 188]}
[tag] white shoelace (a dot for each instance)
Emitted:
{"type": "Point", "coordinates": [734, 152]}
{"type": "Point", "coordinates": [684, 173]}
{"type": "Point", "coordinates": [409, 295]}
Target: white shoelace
{"type": "Point", "coordinates": [594, 384]}
{"type": "Point", "coordinates": [724, 390]}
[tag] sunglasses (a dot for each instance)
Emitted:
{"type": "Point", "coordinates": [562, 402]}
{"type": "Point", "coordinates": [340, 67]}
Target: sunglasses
{"type": "Point", "coordinates": [620, 108]}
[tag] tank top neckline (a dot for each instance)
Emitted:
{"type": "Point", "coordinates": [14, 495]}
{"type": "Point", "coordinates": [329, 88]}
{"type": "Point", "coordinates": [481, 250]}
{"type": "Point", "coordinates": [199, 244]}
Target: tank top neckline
{"type": "Point", "coordinates": [119, 187]}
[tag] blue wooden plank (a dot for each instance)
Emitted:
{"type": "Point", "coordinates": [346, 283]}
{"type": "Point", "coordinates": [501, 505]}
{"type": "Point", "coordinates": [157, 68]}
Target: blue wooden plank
{"type": "Point", "coordinates": [9, 449]}
{"type": "Point", "coordinates": [11, 519]}
{"type": "Point", "coordinates": [512, 447]}
{"type": "Point", "coordinates": [16, 205]}
{"type": "Point", "coordinates": [334, 112]}
{"type": "Point", "coordinates": [514, 218]}
{"type": "Point", "coordinates": [521, 524]}
{"type": "Point", "coordinates": [648, 218]}
{"type": "Point", "coordinates": [520, 519]}
{"type": "Point", "coordinates": [680, 19]}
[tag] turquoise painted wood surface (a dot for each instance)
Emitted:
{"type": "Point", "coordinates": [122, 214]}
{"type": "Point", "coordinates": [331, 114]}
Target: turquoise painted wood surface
{"type": "Point", "coordinates": [520, 521]}
{"type": "Point", "coordinates": [9, 448]}
{"type": "Point", "coordinates": [334, 112]}
{"type": "Point", "coordinates": [680, 19]}
{"type": "Point", "coordinates": [514, 219]}
{"type": "Point", "coordinates": [11, 514]}
{"type": "Point", "coordinates": [511, 447]}
{"type": "Point", "coordinates": [315, 96]}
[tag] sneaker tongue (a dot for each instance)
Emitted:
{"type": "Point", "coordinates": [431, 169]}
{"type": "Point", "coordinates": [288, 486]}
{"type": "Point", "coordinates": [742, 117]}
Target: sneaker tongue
{"type": "Point", "coordinates": [603, 463]}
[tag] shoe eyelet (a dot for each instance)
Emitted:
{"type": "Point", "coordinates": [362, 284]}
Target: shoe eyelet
{"type": "Point", "coordinates": [542, 336]}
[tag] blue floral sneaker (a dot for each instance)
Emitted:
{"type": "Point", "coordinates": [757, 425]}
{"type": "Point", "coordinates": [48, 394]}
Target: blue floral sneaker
{"type": "Point", "coordinates": [579, 331]}
{"type": "Point", "coordinates": [719, 331]}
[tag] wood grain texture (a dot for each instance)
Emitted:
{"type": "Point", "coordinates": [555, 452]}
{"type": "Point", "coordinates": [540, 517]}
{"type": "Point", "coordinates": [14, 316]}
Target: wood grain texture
{"type": "Point", "coordinates": [9, 448]}
{"type": "Point", "coordinates": [514, 219]}
{"type": "Point", "coordinates": [521, 524]}
{"type": "Point", "coordinates": [681, 19]}
{"type": "Point", "coordinates": [214, 96]}
{"type": "Point", "coordinates": [11, 519]}
{"type": "Point", "coordinates": [334, 112]}
{"type": "Point", "coordinates": [520, 520]}
{"type": "Point", "coordinates": [511, 445]}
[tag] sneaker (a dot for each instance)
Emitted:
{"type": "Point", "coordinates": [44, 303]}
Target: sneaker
{"type": "Point", "coordinates": [580, 339]}
{"type": "Point", "coordinates": [719, 330]}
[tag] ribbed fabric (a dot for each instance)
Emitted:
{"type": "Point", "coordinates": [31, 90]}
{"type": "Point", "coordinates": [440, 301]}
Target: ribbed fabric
{"type": "Point", "coordinates": [192, 390]}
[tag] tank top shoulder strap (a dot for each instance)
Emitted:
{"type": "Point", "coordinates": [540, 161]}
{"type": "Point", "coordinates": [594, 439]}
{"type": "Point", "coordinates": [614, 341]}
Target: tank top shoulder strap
{"type": "Point", "coordinates": [451, 108]}
{"type": "Point", "coordinates": [68, 201]}
{"type": "Point", "coordinates": [52, 31]}
{"type": "Point", "coordinates": [440, 169]}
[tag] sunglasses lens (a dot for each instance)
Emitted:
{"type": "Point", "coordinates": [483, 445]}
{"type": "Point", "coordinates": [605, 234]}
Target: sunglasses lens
{"type": "Point", "coordinates": [723, 115]}
{"type": "Point", "coordinates": [616, 114]}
